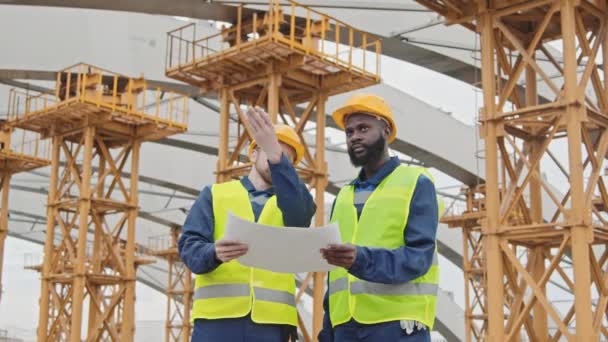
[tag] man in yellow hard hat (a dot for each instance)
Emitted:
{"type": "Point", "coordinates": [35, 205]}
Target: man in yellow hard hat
{"type": "Point", "coordinates": [232, 302]}
{"type": "Point", "coordinates": [385, 287]}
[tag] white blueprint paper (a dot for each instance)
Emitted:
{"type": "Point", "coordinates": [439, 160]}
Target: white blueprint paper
{"type": "Point", "coordinates": [286, 250]}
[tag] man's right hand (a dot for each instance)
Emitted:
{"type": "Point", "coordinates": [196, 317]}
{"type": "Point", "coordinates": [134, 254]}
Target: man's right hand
{"type": "Point", "coordinates": [263, 133]}
{"type": "Point", "coordinates": [226, 250]}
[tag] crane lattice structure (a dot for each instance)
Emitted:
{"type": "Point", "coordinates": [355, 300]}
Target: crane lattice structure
{"type": "Point", "coordinates": [97, 121]}
{"type": "Point", "coordinates": [514, 252]}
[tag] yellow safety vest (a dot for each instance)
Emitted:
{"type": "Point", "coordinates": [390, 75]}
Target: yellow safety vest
{"type": "Point", "coordinates": [233, 290]}
{"type": "Point", "coordinates": [381, 225]}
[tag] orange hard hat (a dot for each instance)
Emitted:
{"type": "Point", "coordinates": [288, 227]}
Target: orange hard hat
{"type": "Point", "coordinates": [366, 104]}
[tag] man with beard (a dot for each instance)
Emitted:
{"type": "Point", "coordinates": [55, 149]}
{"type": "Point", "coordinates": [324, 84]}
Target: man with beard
{"type": "Point", "coordinates": [232, 302]}
{"type": "Point", "coordinates": [385, 288]}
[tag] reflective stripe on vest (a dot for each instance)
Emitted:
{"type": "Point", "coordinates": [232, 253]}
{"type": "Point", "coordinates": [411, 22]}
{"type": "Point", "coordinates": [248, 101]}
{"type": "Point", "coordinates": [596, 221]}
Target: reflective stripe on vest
{"type": "Point", "coordinates": [229, 291]}
{"type": "Point", "coordinates": [381, 225]}
{"type": "Point", "coordinates": [379, 289]}
{"type": "Point", "coordinates": [367, 287]}
{"type": "Point", "coordinates": [243, 290]}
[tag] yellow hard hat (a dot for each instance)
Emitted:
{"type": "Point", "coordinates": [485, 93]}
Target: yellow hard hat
{"type": "Point", "coordinates": [367, 104]}
{"type": "Point", "coordinates": [288, 136]}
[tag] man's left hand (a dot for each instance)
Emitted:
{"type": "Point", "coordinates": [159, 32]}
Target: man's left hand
{"type": "Point", "coordinates": [342, 255]}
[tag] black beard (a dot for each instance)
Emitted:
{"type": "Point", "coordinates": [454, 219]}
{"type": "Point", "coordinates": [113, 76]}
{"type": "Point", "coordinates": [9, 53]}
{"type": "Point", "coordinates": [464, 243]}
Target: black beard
{"type": "Point", "coordinates": [373, 153]}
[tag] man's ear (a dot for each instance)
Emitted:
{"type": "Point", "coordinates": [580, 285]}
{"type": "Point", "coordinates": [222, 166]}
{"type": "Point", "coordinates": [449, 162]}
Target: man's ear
{"type": "Point", "coordinates": [254, 155]}
{"type": "Point", "coordinates": [387, 130]}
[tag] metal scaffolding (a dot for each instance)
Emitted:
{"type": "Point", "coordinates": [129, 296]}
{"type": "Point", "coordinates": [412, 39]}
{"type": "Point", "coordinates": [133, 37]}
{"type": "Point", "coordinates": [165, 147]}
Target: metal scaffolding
{"type": "Point", "coordinates": [94, 117]}
{"type": "Point", "coordinates": [288, 64]}
{"type": "Point", "coordinates": [517, 251]}
{"type": "Point", "coordinates": [20, 151]}
{"type": "Point", "coordinates": [179, 290]}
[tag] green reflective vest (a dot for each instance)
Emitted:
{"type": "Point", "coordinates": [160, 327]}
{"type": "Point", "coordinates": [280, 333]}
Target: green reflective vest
{"type": "Point", "coordinates": [381, 225]}
{"type": "Point", "coordinates": [233, 290]}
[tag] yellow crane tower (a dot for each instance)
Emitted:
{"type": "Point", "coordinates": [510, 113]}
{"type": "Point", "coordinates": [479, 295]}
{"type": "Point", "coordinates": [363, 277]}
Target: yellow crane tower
{"type": "Point", "coordinates": [179, 288]}
{"type": "Point", "coordinates": [520, 232]}
{"type": "Point", "coordinates": [100, 118]}
{"type": "Point", "coordinates": [20, 151]}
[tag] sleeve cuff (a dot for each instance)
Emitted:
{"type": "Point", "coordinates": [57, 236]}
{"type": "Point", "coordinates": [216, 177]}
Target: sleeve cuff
{"type": "Point", "coordinates": [209, 254]}
{"type": "Point", "coordinates": [360, 261]}
{"type": "Point", "coordinates": [283, 163]}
